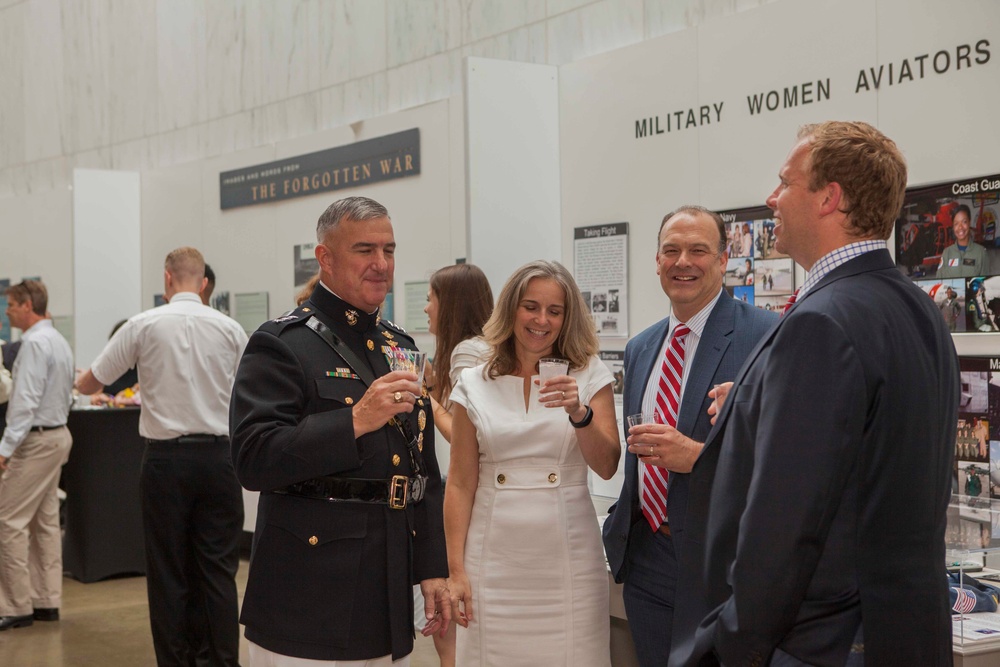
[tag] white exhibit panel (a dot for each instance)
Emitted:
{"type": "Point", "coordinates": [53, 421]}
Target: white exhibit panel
{"type": "Point", "coordinates": [773, 75]}
{"type": "Point", "coordinates": [938, 94]}
{"type": "Point", "coordinates": [512, 165]}
{"type": "Point", "coordinates": [107, 284]}
{"type": "Point", "coordinates": [707, 116]}
{"type": "Point", "coordinates": [620, 162]}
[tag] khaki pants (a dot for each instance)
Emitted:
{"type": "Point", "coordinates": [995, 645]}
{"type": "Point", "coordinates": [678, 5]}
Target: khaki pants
{"type": "Point", "coordinates": [30, 539]}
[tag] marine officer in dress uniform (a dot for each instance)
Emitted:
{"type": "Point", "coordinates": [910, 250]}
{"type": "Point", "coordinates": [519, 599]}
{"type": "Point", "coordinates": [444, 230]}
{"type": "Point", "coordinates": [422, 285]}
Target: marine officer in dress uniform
{"type": "Point", "coordinates": [342, 450]}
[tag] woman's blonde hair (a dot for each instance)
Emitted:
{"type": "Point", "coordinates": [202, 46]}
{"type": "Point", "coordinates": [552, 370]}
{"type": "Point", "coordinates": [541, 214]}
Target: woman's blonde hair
{"type": "Point", "coordinates": [577, 340]}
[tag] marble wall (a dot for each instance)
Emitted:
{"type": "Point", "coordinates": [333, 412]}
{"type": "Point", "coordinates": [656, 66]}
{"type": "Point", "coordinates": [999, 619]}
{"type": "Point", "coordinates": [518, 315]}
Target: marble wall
{"type": "Point", "coordinates": [145, 84]}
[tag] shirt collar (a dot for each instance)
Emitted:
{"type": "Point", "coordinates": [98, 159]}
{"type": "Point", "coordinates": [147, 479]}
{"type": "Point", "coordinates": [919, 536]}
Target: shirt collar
{"type": "Point", "coordinates": [186, 296]}
{"type": "Point", "coordinates": [835, 258]}
{"type": "Point", "coordinates": [697, 323]}
{"type": "Point", "coordinates": [36, 327]}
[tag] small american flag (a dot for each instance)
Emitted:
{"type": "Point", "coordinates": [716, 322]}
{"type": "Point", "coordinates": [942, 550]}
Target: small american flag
{"type": "Point", "coordinates": [965, 601]}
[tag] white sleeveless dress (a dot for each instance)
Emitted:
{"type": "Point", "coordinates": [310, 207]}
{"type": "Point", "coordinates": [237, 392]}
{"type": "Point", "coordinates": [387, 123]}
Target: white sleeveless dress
{"type": "Point", "coordinates": [533, 553]}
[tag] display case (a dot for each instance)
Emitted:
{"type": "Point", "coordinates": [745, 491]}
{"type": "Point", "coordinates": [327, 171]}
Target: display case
{"type": "Point", "coordinates": [972, 542]}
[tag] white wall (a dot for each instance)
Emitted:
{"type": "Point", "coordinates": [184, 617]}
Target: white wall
{"type": "Point", "coordinates": [512, 165]}
{"type": "Point", "coordinates": [106, 233]}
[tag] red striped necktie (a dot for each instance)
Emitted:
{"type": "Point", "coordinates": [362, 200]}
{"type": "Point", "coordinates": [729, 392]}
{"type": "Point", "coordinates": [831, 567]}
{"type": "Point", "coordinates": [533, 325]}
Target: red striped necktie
{"type": "Point", "coordinates": [668, 401]}
{"type": "Point", "coordinates": [791, 302]}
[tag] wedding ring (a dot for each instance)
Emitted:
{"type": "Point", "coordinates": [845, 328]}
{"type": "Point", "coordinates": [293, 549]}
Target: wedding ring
{"type": "Point", "coordinates": [650, 450]}
{"type": "Point", "coordinates": [563, 395]}
{"type": "Point", "coordinates": [397, 397]}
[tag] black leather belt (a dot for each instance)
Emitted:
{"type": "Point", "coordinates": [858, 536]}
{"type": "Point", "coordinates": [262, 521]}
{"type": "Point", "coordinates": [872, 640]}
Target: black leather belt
{"type": "Point", "coordinates": [39, 429]}
{"type": "Point", "coordinates": [395, 492]}
{"type": "Point", "coordinates": [193, 439]}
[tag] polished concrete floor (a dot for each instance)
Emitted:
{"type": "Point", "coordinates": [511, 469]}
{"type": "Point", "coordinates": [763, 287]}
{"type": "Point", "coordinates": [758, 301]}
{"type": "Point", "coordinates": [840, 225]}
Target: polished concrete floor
{"type": "Point", "coordinates": [106, 624]}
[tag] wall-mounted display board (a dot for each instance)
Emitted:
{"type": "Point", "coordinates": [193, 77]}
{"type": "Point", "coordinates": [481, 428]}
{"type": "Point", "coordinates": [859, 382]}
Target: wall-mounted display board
{"type": "Point", "coordinates": [948, 242]}
{"type": "Point", "coordinates": [977, 453]}
{"type": "Point", "coordinates": [756, 272]}
{"type": "Point", "coordinates": [600, 258]}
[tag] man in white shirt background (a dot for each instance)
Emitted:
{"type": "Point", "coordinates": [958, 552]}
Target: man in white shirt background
{"type": "Point", "coordinates": [192, 504]}
{"type": "Point", "coordinates": [34, 447]}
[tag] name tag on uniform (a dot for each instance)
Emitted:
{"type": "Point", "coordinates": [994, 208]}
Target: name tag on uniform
{"type": "Point", "coordinates": [968, 262]}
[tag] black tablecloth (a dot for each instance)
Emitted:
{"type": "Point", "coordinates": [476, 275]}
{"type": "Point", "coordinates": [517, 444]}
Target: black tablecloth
{"type": "Point", "coordinates": [101, 479]}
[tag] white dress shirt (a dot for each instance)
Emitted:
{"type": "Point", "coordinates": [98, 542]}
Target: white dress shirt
{"type": "Point", "coordinates": [187, 354]}
{"type": "Point", "coordinates": [697, 326]}
{"type": "Point", "coordinates": [43, 384]}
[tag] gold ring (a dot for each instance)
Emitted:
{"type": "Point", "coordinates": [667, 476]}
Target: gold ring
{"type": "Point", "coordinates": [563, 394]}
{"type": "Point", "coordinates": [650, 450]}
{"type": "Point", "coordinates": [397, 397]}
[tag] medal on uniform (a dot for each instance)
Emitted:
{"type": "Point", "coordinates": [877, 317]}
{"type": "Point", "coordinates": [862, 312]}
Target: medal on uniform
{"type": "Point", "coordinates": [422, 420]}
{"type": "Point", "coordinates": [352, 317]}
{"type": "Point", "coordinates": [371, 345]}
{"type": "Point", "coordinates": [420, 442]}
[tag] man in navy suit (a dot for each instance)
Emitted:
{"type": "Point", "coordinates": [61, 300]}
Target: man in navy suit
{"type": "Point", "coordinates": [690, 260]}
{"type": "Point", "coordinates": [832, 454]}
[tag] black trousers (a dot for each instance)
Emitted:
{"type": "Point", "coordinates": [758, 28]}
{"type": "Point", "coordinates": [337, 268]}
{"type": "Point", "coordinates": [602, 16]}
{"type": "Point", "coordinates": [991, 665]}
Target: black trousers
{"type": "Point", "coordinates": [192, 515]}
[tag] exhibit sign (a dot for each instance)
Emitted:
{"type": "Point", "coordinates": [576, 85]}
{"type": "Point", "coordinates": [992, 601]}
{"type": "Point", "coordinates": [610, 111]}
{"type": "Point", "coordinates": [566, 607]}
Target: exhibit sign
{"type": "Point", "coordinates": [361, 163]}
{"type": "Point", "coordinates": [947, 241]}
{"type": "Point", "coordinates": [600, 260]}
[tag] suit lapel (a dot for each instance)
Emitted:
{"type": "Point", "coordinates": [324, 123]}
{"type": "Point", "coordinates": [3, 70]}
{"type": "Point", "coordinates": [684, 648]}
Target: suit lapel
{"type": "Point", "coordinates": [645, 365]}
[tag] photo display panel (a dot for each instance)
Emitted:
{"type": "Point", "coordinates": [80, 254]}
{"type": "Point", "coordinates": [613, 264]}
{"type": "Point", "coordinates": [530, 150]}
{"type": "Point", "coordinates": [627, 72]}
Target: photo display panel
{"type": "Point", "coordinates": [756, 271]}
{"type": "Point", "coordinates": [948, 243]}
{"type": "Point", "coordinates": [975, 513]}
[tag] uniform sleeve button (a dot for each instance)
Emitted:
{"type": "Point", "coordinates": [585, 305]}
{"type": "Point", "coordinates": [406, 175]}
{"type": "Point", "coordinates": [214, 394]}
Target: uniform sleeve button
{"type": "Point", "coordinates": [553, 477]}
{"type": "Point", "coordinates": [501, 478]}
{"type": "Point", "coordinates": [313, 540]}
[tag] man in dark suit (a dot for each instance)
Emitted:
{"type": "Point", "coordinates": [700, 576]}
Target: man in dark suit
{"type": "Point", "coordinates": [691, 261]}
{"type": "Point", "coordinates": [832, 454]}
{"type": "Point", "coordinates": [342, 451]}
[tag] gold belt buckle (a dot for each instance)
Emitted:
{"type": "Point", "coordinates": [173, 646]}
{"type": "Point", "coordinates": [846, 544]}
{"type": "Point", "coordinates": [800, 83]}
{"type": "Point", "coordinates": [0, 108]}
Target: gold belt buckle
{"type": "Point", "coordinates": [399, 487]}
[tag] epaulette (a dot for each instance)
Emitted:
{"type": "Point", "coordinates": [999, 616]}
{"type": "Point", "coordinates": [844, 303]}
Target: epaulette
{"type": "Point", "coordinates": [298, 315]}
{"type": "Point", "coordinates": [393, 327]}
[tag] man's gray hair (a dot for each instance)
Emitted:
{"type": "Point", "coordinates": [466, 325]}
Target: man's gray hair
{"type": "Point", "coordinates": [348, 208]}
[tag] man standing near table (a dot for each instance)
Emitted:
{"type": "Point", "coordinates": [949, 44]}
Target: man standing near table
{"type": "Point", "coordinates": [643, 539]}
{"type": "Point", "coordinates": [827, 478]}
{"type": "Point", "coordinates": [192, 505]}
{"type": "Point", "coordinates": [34, 447]}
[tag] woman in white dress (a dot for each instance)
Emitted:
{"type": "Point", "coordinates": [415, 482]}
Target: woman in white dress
{"type": "Point", "coordinates": [528, 576]}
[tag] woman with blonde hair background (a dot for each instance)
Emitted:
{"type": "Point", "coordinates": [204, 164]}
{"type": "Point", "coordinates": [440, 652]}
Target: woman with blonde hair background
{"type": "Point", "coordinates": [524, 549]}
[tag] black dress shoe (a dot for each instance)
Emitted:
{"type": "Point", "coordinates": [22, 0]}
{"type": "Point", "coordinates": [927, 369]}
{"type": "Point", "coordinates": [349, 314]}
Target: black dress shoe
{"type": "Point", "coordinates": [7, 622]}
{"type": "Point", "coordinates": [46, 614]}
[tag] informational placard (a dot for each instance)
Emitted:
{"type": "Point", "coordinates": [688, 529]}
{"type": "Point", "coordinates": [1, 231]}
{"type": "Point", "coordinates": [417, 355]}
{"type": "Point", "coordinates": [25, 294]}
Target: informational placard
{"type": "Point", "coordinates": [615, 361]}
{"type": "Point", "coordinates": [305, 263]}
{"type": "Point", "coordinates": [948, 242]}
{"type": "Point", "coordinates": [251, 310]}
{"type": "Point", "coordinates": [415, 294]}
{"type": "Point", "coordinates": [600, 261]}
{"type": "Point", "coordinates": [756, 272]}
{"type": "Point", "coordinates": [221, 302]}
{"type": "Point", "coordinates": [361, 163]}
